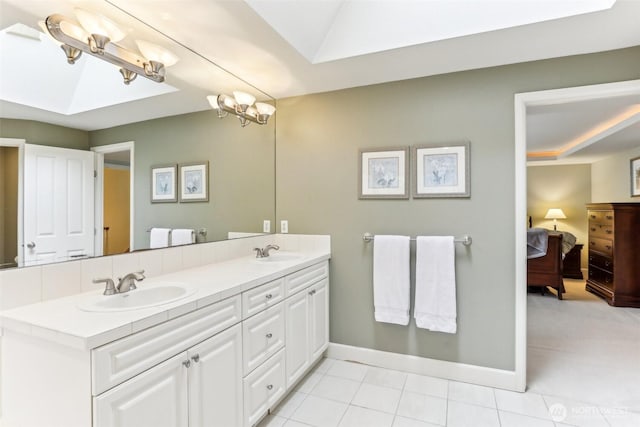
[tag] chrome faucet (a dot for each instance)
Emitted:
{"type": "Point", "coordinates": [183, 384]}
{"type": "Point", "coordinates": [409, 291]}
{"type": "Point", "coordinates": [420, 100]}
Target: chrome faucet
{"type": "Point", "coordinates": [110, 288]}
{"type": "Point", "coordinates": [264, 252]}
{"type": "Point", "coordinates": [128, 282]}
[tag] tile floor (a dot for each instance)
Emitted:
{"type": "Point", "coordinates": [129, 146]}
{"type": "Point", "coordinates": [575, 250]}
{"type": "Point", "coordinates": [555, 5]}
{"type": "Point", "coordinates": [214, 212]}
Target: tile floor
{"type": "Point", "coordinates": [571, 381]}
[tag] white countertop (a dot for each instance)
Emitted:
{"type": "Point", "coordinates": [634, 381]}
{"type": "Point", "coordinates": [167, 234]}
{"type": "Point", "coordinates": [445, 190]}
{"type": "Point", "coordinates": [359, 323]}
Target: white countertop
{"type": "Point", "coordinates": [61, 320]}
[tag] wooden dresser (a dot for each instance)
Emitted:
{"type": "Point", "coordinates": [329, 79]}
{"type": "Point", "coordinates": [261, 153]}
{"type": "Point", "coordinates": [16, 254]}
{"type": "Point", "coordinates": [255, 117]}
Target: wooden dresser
{"type": "Point", "coordinates": [614, 252]}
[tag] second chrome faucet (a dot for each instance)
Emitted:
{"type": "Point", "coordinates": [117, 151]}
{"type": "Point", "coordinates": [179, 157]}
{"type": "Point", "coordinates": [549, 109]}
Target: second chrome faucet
{"type": "Point", "coordinates": [125, 283]}
{"type": "Point", "coordinates": [264, 252]}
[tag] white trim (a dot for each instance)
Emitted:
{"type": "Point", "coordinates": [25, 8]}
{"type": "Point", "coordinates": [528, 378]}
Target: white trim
{"type": "Point", "coordinates": [473, 374]}
{"type": "Point", "coordinates": [113, 148]}
{"type": "Point", "coordinates": [18, 143]}
{"type": "Point", "coordinates": [522, 101]}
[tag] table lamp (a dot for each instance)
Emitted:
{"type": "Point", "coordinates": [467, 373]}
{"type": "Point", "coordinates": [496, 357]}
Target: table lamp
{"type": "Point", "coordinates": [555, 214]}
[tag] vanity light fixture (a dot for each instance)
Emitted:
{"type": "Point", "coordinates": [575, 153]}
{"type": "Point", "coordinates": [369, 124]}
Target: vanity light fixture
{"type": "Point", "coordinates": [97, 35]}
{"type": "Point", "coordinates": [242, 105]}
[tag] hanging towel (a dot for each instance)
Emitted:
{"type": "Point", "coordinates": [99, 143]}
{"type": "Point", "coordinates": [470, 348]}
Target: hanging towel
{"type": "Point", "coordinates": [159, 237]}
{"type": "Point", "coordinates": [182, 236]}
{"type": "Point", "coordinates": [391, 279]}
{"type": "Point", "coordinates": [435, 302]}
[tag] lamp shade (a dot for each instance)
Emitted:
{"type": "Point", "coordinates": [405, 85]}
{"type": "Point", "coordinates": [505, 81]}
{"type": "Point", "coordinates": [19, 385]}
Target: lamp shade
{"type": "Point", "coordinates": [264, 108]}
{"type": "Point", "coordinates": [243, 98]}
{"type": "Point", "coordinates": [98, 24]}
{"type": "Point", "coordinates": [555, 213]}
{"type": "Point", "coordinates": [156, 53]}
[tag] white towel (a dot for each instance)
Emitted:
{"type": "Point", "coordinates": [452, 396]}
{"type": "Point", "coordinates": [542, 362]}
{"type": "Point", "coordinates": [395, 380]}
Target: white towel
{"type": "Point", "coordinates": [435, 302]}
{"type": "Point", "coordinates": [391, 294]}
{"type": "Point", "coordinates": [159, 237]}
{"type": "Point", "coordinates": [182, 236]}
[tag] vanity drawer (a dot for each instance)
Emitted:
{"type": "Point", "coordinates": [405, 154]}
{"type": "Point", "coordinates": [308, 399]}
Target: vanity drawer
{"type": "Point", "coordinates": [601, 230]}
{"type": "Point", "coordinates": [262, 297]}
{"type": "Point", "coordinates": [263, 388]}
{"type": "Point", "coordinates": [306, 277]}
{"type": "Point", "coordinates": [120, 360]}
{"type": "Point", "coordinates": [262, 336]}
{"type": "Point", "coordinates": [604, 246]}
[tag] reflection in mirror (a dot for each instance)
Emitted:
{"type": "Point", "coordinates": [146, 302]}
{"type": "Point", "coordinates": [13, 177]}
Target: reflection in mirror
{"type": "Point", "coordinates": [121, 131]}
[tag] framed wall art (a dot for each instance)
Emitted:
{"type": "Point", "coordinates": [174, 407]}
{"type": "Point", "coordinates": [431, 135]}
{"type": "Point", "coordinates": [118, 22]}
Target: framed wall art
{"type": "Point", "coordinates": [163, 184]}
{"type": "Point", "coordinates": [194, 180]}
{"type": "Point", "coordinates": [441, 170]}
{"type": "Point", "coordinates": [384, 173]}
{"type": "Point", "coordinates": [635, 177]}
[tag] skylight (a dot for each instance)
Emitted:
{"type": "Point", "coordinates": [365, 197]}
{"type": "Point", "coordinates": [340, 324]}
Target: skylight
{"type": "Point", "coordinates": [327, 30]}
{"type": "Point", "coordinates": [34, 72]}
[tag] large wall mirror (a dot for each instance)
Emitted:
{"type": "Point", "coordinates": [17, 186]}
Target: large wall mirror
{"type": "Point", "coordinates": [52, 112]}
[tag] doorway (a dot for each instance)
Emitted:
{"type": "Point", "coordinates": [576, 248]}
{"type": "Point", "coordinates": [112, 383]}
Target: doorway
{"type": "Point", "coordinates": [114, 208]}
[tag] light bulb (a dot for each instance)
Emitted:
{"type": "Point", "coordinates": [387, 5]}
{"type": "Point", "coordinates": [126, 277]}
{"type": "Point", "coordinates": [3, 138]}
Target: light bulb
{"type": "Point", "coordinates": [266, 109]}
{"type": "Point", "coordinates": [154, 52]}
{"type": "Point", "coordinates": [213, 100]}
{"type": "Point", "coordinates": [243, 98]}
{"type": "Point", "coordinates": [100, 25]}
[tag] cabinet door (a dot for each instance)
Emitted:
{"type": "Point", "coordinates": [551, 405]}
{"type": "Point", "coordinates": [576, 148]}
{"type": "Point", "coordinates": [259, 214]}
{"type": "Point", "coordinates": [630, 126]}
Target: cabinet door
{"type": "Point", "coordinates": [157, 397]}
{"type": "Point", "coordinates": [215, 380]}
{"type": "Point", "coordinates": [297, 339]}
{"type": "Point", "coordinates": [319, 318]}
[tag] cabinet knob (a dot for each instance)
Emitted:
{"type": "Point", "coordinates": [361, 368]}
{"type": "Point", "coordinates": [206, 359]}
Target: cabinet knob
{"type": "Point", "coordinates": [593, 229]}
{"type": "Point", "coordinates": [269, 335]}
{"type": "Point", "coordinates": [608, 247]}
{"type": "Point", "coordinates": [313, 292]}
{"type": "Point", "coordinates": [270, 387]}
{"type": "Point", "coordinates": [186, 363]}
{"type": "Point", "coordinates": [609, 216]}
{"type": "Point", "coordinates": [268, 296]}
{"type": "Point", "coordinates": [196, 358]}
{"type": "Point", "coordinates": [609, 232]}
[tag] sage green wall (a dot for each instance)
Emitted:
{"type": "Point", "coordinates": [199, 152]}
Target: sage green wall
{"type": "Point", "coordinates": [44, 134]}
{"type": "Point", "coordinates": [567, 187]}
{"type": "Point", "coordinates": [9, 204]}
{"type": "Point", "coordinates": [241, 172]}
{"type": "Point", "coordinates": [612, 178]}
{"type": "Point", "coordinates": [318, 137]}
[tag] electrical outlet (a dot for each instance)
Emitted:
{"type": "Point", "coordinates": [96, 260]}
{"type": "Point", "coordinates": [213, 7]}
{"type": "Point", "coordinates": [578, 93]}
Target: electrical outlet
{"type": "Point", "coordinates": [284, 226]}
{"type": "Point", "coordinates": [266, 226]}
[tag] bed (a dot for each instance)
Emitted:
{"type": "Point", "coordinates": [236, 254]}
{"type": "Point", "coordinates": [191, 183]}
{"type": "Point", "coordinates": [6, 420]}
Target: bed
{"type": "Point", "coordinates": [546, 270]}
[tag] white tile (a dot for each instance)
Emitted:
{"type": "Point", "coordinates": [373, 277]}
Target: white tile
{"type": "Point", "coordinates": [350, 370]}
{"type": "Point", "coordinates": [335, 388]}
{"type": "Point", "coordinates": [21, 286]}
{"type": "Point", "coordinates": [362, 417]}
{"type": "Point", "coordinates": [471, 393]}
{"type": "Point", "coordinates": [528, 403]}
{"type": "Point", "coordinates": [376, 397]}
{"type": "Point", "coordinates": [287, 407]}
{"type": "Point", "coordinates": [292, 423]}
{"type": "Point", "coordinates": [209, 253]}
{"type": "Point", "coordinates": [95, 268]}
{"type": "Point", "coordinates": [124, 264]}
{"type": "Point", "coordinates": [423, 408]}
{"type": "Point", "coordinates": [272, 421]}
{"type": "Point", "coordinates": [319, 412]}
{"type": "Point", "coordinates": [621, 418]}
{"type": "Point", "coordinates": [191, 256]}
{"type": "Point", "coordinates": [61, 280]}
{"type": "Point", "coordinates": [509, 419]}
{"type": "Point", "coordinates": [151, 262]}
{"type": "Point", "coordinates": [183, 309]}
{"type": "Point", "coordinates": [410, 422]}
{"type": "Point", "coordinates": [323, 365]}
{"type": "Point", "coordinates": [386, 377]}
{"type": "Point", "coordinates": [464, 415]}
{"type": "Point", "coordinates": [308, 383]}
{"type": "Point", "coordinates": [150, 321]}
{"type": "Point", "coordinates": [427, 385]}
{"type": "Point", "coordinates": [574, 413]}
{"type": "Point", "coordinates": [171, 260]}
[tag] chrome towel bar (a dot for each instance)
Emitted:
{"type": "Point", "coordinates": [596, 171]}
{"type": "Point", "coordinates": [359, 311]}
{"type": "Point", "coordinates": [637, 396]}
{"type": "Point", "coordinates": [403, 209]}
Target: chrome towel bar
{"type": "Point", "coordinates": [465, 240]}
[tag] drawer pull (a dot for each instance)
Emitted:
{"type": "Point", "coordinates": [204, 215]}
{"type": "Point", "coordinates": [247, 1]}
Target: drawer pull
{"type": "Point", "coordinates": [593, 229]}
{"type": "Point", "coordinates": [196, 358]}
{"type": "Point", "coordinates": [609, 217]}
{"type": "Point", "coordinates": [270, 387]}
{"type": "Point", "coordinates": [268, 296]}
{"type": "Point", "coordinates": [269, 335]}
{"type": "Point", "coordinates": [608, 247]}
{"type": "Point", "coordinates": [313, 292]}
{"type": "Point", "coordinates": [609, 232]}
{"type": "Point", "coordinates": [592, 216]}
{"type": "Point", "coordinates": [186, 363]}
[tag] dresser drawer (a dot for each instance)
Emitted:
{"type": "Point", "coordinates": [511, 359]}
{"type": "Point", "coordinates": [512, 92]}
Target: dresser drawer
{"type": "Point", "coordinates": [601, 230]}
{"type": "Point", "coordinates": [604, 246]}
{"type": "Point", "coordinates": [600, 217]}
{"type": "Point", "coordinates": [120, 360]}
{"type": "Point", "coordinates": [263, 388]}
{"type": "Point", "coordinates": [262, 336]}
{"type": "Point", "coordinates": [601, 261]}
{"type": "Point", "coordinates": [262, 297]}
{"type": "Point", "coordinates": [306, 277]}
{"type": "Point", "coordinates": [601, 276]}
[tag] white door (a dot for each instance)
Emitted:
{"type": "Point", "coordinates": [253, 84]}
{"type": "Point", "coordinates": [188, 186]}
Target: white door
{"type": "Point", "coordinates": [297, 338]}
{"type": "Point", "coordinates": [215, 381]}
{"type": "Point", "coordinates": [155, 398]}
{"type": "Point", "coordinates": [319, 318]}
{"type": "Point", "coordinates": [58, 204]}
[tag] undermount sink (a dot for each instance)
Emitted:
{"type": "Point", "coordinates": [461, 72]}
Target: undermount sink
{"type": "Point", "coordinates": [142, 297]}
{"type": "Point", "coordinates": [279, 257]}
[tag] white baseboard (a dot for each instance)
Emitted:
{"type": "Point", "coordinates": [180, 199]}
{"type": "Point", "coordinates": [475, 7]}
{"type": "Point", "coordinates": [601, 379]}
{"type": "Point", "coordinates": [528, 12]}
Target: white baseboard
{"type": "Point", "coordinates": [473, 374]}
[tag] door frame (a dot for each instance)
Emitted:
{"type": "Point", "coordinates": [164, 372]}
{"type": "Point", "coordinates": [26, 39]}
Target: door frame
{"type": "Point", "coordinates": [99, 190]}
{"type": "Point", "coordinates": [522, 101]}
{"type": "Point", "coordinates": [19, 144]}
